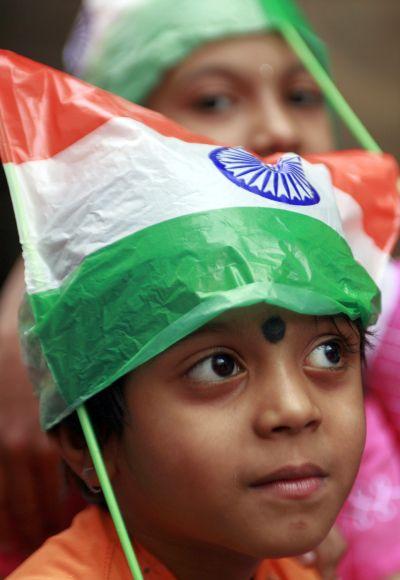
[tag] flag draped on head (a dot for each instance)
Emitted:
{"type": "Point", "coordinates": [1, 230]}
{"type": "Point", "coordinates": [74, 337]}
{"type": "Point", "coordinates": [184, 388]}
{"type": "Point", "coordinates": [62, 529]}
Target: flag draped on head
{"type": "Point", "coordinates": [135, 233]}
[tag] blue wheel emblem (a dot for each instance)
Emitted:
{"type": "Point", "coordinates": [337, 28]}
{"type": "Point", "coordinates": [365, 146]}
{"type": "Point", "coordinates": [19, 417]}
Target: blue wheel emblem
{"type": "Point", "coordinates": [284, 182]}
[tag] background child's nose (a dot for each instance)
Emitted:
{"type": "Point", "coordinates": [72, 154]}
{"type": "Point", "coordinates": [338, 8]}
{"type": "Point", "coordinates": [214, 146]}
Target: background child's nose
{"type": "Point", "coordinates": [273, 129]}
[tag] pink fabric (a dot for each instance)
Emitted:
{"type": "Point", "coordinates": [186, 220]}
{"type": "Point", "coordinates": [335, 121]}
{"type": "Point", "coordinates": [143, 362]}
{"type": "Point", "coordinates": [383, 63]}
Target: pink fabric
{"type": "Point", "coordinates": [370, 519]}
{"type": "Point", "coordinates": [384, 372]}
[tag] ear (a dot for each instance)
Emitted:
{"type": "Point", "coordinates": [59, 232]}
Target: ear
{"type": "Point", "coordinates": [78, 457]}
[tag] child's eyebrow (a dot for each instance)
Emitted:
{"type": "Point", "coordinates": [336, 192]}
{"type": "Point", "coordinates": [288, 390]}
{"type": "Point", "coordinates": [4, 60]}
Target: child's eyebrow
{"type": "Point", "coordinates": [337, 322]}
{"type": "Point", "coordinates": [297, 68]}
{"type": "Point", "coordinates": [230, 72]}
{"type": "Point", "coordinates": [212, 327]}
{"type": "Point", "coordinates": [224, 70]}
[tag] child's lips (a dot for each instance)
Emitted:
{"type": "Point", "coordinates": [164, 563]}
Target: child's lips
{"type": "Point", "coordinates": [292, 481]}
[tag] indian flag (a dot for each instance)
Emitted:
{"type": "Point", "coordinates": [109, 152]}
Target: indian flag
{"type": "Point", "coordinates": [135, 232]}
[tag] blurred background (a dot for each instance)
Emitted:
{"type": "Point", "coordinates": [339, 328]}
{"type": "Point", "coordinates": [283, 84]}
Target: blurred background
{"type": "Point", "coordinates": [362, 36]}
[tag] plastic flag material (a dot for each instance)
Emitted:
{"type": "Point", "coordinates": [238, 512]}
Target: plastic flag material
{"type": "Point", "coordinates": [135, 233]}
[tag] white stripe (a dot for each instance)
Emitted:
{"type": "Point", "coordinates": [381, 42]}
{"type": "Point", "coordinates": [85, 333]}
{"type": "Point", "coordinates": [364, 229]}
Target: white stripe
{"type": "Point", "coordinates": [119, 179]}
{"type": "Point", "coordinates": [365, 251]}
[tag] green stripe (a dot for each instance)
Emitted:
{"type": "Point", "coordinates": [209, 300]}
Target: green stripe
{"type": "Point", "coordinates": [130, 301]}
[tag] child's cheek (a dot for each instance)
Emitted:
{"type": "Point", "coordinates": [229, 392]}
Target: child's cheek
{"type": "Point", "coordinates": [189, 450]}
{"type": "Point", "coordinates": [347, 431]}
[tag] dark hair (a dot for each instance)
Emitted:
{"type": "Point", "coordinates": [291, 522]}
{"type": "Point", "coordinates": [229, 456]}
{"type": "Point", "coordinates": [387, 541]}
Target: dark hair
{"type": "Point", "coordinates": [107, 411]}
{"type": "Point", "coordinates": [364, 334]}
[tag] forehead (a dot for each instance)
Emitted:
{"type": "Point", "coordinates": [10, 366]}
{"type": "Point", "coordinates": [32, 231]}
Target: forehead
{"type": "Point", "coordinates": [243, 53]}
{"type": "Point", "coordinates": [253, 318]}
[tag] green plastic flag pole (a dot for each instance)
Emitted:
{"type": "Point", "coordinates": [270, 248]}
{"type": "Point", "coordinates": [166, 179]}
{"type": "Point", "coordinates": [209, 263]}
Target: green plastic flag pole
{"type": "Point", "coordinates": [108, 492]}
{"type": "Point", "coordinates": [331, 92]}
{"type": "Point", "coordinates": [84, 418]}
{"type": "Point", "coordinates": [94, 449]}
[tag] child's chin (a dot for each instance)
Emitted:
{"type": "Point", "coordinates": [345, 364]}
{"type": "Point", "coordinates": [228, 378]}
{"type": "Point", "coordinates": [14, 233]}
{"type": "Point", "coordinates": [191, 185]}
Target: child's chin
{"type": "Point", "coordinates": [295, 545]}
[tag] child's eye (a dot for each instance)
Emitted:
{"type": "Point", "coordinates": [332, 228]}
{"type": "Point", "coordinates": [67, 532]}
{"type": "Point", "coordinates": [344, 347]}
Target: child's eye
{"type": "Point", "coordinates": [213, 103]}
{"type": "Point", "coordinates": [327, 356]}
{"type": "Point", "coordinates": [215, 368]}
{"type": "Point", "coordinates": [305, 97]}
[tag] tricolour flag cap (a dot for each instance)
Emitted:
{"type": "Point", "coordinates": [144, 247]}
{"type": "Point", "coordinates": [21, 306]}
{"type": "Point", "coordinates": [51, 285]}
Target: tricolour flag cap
{"type": "Point", "coordinates": [135, 233]}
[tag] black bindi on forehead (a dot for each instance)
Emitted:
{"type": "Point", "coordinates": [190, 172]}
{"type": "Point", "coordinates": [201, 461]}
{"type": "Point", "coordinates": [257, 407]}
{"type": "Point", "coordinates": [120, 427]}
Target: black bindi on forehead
{"type": "Point", "coordinates": [274, 329]}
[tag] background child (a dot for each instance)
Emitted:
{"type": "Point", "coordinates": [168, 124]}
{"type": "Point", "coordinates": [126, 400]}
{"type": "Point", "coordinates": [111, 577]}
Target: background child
{"type": "Point", "coordinates": [236, 325]}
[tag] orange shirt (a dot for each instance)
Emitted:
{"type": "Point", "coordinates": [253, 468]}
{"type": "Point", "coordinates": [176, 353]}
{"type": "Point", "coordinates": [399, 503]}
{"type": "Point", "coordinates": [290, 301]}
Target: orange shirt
{"type": "Point", "coordinates": [90, 550]}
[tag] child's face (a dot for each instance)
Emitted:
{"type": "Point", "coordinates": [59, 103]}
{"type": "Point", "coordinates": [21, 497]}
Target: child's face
{"type": "Point", "coordinates": [250, 91]}
{"type": "Point", "coordinates": [246, 436]}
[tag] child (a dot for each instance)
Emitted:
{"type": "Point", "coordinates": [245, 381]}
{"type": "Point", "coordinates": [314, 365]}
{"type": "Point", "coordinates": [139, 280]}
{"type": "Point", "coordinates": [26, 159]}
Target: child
{"type": "Point", "coordinates": [300, 123]}
{"type": "Point", "coordinates": [166, 59]}
{"type": "Point", "coordinates": [226, 74]}
{"type": "Point", "coordinates": [299, 120]}
{"type": "Point", "coordinates": [209, 309]}
{"type": "Point", "coordinates": [220, 69]}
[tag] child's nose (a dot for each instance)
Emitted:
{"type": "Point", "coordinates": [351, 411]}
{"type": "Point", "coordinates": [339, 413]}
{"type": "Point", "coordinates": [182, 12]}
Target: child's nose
{"type": "Point", "coordinates": [287, 408]}
{"type": "Point", "coordinates": [273, 128]}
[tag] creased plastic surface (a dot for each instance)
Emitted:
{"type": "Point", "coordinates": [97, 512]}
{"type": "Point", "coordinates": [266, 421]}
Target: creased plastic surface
{"type": "Point", "coordinates": [132, 300]}
{"type": "Point", "coordinates": [200, 243]}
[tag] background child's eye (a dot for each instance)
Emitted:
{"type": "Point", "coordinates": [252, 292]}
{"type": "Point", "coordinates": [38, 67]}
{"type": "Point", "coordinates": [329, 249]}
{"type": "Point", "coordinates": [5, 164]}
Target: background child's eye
{"type": "Point", "coordinates": [305, 97]}
{"type": "Point", "coordinates": [217, 367]}
{"type": "Point", "coordinates": [327, 355]}
{"type": "Point", "coordinates": [213, 103]}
